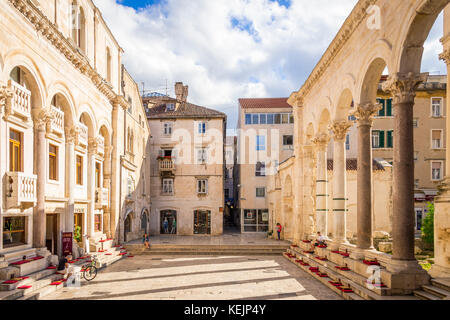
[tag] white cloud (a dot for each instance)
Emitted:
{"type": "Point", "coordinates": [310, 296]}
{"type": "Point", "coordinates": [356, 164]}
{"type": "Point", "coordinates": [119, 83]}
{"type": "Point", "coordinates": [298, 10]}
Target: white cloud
{"type": "Point", "coordinates": [195, 42]}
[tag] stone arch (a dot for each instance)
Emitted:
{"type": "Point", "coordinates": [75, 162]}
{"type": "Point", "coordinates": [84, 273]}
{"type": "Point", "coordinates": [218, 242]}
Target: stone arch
{"type": "Point", "coordinates": [106, 132]}
{"type": "Point", "coordinates": [418, 25]}
{"type": "Point", "coordinates": [343, 105]}
{"type": "Point", "coordinates": [369, 85]}
{"type": "Point", "coordinates": [324, 121]}
{"type": "Point", "coordinates": [86, 116]}
{"type": "Point", "coordinates": [66, 102]}
{"type": "Point", "coordinates": [33, 78]}
{"type": "Point", "coordinates": [310, 132]}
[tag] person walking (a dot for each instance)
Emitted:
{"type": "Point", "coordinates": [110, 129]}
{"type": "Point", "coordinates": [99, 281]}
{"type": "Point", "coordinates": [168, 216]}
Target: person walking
{"type": "Point", "coordinates": [174, 226]}
{"type": "Point", "coordinates": [279, 228]}
{"type": "Point", "coordinates": [146, 241]}
{"type": "Point", "coordinates": [166, 226]}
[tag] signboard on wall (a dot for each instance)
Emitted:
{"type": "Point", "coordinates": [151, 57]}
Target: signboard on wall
{"type": "Point", "coordinates": [265, 216]}
{"type": "Point", "coordinates": [67, 243]}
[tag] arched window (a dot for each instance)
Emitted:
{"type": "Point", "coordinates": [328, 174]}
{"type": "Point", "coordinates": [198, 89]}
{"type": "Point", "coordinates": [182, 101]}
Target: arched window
{"type": "Point", "coordinates": [74, 20]}
{"type": "Point", "coordinates": [81, 34]}
{"type": "Point", "coordinates": [108, 65]}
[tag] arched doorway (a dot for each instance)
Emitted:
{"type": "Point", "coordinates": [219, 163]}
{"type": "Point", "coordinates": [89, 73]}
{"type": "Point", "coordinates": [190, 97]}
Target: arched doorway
{"type": "Point", "coordinates": [167, 225]}
{"type": "Point", "coordinates": [127, 226]}
{"type": "Point", "coordinates": [144, 221]}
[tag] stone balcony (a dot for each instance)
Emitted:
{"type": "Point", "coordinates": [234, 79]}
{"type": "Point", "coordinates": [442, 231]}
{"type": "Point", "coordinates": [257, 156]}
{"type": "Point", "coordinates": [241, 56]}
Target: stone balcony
{"type": "Point", "coordinates": [83, 134]}
{"type": "Point", "coordinates": [21, 100]}
{"type": "Point", "coordinates": [56, 125]}
{"type": "Point", "coordinates": [166, 165]}
{"type": "Point", "coordinates": [20, 189]}
{"type": "Point", "coordinates": [101, 198]}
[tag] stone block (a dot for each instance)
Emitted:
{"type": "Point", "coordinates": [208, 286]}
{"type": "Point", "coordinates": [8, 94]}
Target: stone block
{"type": "Point", "coordinates": [385, 247]}
{"type": "Point", "coordinates": [9, 273]}
{"type": "Point", "coordinates": [381, 235]}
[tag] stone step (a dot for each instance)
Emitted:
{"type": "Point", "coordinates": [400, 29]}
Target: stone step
{"type": "Point", "coordinates": [423, 295]}
{"type": "Point", "coordinates": [31, 267]}
{"type": "Point", "coordinates": [442, 283]}
{"type": "Point", "coordinates": [441, 293]}
{"type": "Point", "coordinates": [32, 278]}
{"type": "Point", "coordinates": [36, 285]}
{"type": "Point", "coordinates": [207, 252]}
{"type": "Point", "coordinates": [200, 246]}
{"type": "Point", "coordinates": [42, 292]}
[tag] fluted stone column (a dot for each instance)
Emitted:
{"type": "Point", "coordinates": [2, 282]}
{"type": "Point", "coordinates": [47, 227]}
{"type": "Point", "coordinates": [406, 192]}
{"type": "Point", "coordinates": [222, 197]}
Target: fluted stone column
{"type": "Point", "coordinates": [321, 143]}
{"type": "Point", "coordinates": [40, 118]}
{"type": "Point", "coordinates": [309, 192]}
{"type": "Point", "coordinates": [107, 184]}
{"type": "Point", "coordinates": [364, 115]}
{"type": "Point", "coordinates": [403, 88]}
{"type": "Point", "coordinates": [339, 129]}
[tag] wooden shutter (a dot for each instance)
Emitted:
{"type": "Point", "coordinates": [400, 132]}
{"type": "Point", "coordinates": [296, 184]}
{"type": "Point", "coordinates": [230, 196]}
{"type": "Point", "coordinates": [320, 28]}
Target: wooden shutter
{"type": "Point", "coordinates": [381, 139]}
{"type": "Point", "coordinates": [389, 107]}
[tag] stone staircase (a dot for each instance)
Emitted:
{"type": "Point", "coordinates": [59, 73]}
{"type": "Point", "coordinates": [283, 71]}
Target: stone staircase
{"type": "Point", "coordinates": [352, 279]}
{"type": "Point", "coordinates": [175, 249]}
{"type": "Point", "coordinates": [439, 289]}
{"type": "Point", "coordinates": [33, 280]}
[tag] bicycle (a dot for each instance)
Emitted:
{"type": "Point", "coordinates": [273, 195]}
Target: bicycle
{"type": "Point", "coordinates": [90, 270]}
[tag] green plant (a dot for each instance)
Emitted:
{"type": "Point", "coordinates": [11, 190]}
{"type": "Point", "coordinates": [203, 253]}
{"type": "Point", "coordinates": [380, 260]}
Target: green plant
{"type": "Point", "coordinates": [77, 234]}
{"type": "Point", "coordinates": [428, 226]}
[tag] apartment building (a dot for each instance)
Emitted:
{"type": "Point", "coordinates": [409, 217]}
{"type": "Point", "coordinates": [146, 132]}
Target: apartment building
{"type": "Point", "coordinates": [62, 126]}
{"type": "Point", "coordinates": [265, 139]}
{"type": "Point", "coordinates": [187, 165]}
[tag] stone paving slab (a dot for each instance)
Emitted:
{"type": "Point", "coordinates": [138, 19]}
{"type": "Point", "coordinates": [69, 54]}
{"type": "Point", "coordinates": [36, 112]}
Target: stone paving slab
{"type": "Point", "coordinates": [200, 278]}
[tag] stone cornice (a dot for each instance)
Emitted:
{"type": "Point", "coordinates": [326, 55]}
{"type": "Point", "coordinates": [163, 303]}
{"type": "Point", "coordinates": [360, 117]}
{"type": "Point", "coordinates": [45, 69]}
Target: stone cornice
{"type": "Point", "coordinates": [44, 26]}
{"type": "Point", "coordinates": [357, 15]}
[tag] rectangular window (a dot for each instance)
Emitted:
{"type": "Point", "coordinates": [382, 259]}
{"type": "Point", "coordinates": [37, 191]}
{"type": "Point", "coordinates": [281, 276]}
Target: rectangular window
{"type": "Point", "coordinates": [382, 112]}
{"type": "Point", "coordinates": [14, 230]}
{"type": "Point", "coordinates": [260, 192]}
{"type": "Point", "coordinates": [262, 118]}
{"type": "Point", "coordinates": [277, 117]}
{"type": "Point", "coordinates": [260, 169]}
{"type": "Point", "coordinates": [255, 118]}
{"type": "Point", "coordinates": [202, 186]}
{"type": "Point", "coordinates": [15, 151]}
{"type": "Point", "coordinates": [52, 162]}
{"type": "Point", "coordinates": [202, 155]}
{"type": "Point", "coordinates": [98, 174]}
{"type": "Point", "coordinates": [288, 142]}
{"type": "Point", "coordinates": [390, 139]}
{"type": "Point", "coordinates": [170, 107]}
{"type": "Point", "coordinates": [201, 127]}
{"type": "Point", "coordinates": [270, 118]}
{"type": "Point", "coordinates": [416, 123]}
{"type": "Point", "coordinates": [168, 186]}
{"type": "Point", "coordinates": [436, 137]}
{"type": "Point", "coordinates": [168, 128]}
{"type": "Point", "coordinates": [285, 118]}
{"type": "Point", "coordinates": [98, 222]}
{"type": "Point", "coordinates": [79, 170]}
{"type": "Point", "coordinates": [227, 193]}
{"type": "Point", "coordinates": [436, 107]}
{"type": "Point", "coordinates": [347, 142]}
{"type": "Point", "coordinates": [291, 118]}
{"type": "Point", "coordinates": [375, 139]}
{"type": "Point", "coordinates": [248, 118]}
{"type": "Point", "coordinates": [436, 171]}
{"type": "Point", "coordinates": [260, 143]}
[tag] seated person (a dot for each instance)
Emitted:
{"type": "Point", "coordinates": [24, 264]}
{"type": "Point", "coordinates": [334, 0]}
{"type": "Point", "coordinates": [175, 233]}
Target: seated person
{"type": "Point", "coordinates": [64, 266]}
{"type": "Point", "coordinates": [320, 241]}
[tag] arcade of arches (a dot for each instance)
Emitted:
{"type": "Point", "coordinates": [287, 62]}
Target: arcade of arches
{"type": "Point", "coordinates": [345, 83]}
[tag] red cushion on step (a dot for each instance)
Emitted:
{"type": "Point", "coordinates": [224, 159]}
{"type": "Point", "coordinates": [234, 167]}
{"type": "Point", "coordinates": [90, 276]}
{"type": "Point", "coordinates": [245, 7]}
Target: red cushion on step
{"type": "Point", "coordinates": [108, 254]}
{"type": "Point", "coordinates": [336, 251]}
{"type": "Point", "coordinates": [18, 263]}
{"type": "Point", "coordinates": [371, 263]}
{"type": "Point", "coordinates": [37, 258]}
{"type": "Point", "coordinates": [24, 287]}
{"type": "Point", "coordinates": [55, 283]}
{"type": "Point", "coordinates": [130, 256]}
{"type": "Point", "coordinates": [10, 281]}
{"type": "Point", "coordinates": [51, 267]}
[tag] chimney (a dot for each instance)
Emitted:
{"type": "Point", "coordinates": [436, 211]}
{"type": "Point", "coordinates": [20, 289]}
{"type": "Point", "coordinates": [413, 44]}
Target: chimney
{"type": "Point", "coordinates": [181, 92]}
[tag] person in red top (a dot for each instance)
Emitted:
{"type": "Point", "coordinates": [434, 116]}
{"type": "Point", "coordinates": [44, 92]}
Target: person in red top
{"type": "Point", "coordinates": [279, 230]}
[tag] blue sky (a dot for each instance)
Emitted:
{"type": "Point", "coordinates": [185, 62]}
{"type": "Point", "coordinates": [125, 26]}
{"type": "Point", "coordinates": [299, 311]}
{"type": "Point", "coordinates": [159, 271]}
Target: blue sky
{"type": "Point", "coordinates": [230, 49]}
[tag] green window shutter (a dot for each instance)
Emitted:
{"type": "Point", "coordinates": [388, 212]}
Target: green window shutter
{"type": "Point", "coordinates": [381, 139]}
{"type": "Point", "coordinates": [389, 107]}
{"type": "Point", "coordinates": [382, 112]}
{"type": "Point", "coordinates": [390, 139]}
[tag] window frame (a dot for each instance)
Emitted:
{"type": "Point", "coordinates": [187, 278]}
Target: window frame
{"type": "Point", "coordinates": [13, 146]}
{"type": "Point", "coordinates": [202, 186]}
{"type": "Point", "coordinates": [167, 126]}
{"type": "Point", "coordinates": [441, 100]}
{"type": "Point", "coordinates": [441, 170]}
{"type": "Point", "coordinates": [262, 170]}
{"type": "Point", "coordinates": [260, 146]}
{"type": "Point", "coordinates": [263, 194]}
{"type": "Point", "coordinates": [79, 170]}
{"type": "Point", "coordinates": [441, 140]}
{"type": "Point", "coordinates": [171, 185]}
{"type": "Point", "coordinates": [53, 156]}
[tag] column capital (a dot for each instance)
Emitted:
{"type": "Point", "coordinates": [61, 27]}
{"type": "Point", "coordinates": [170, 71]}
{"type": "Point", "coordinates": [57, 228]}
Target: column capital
{"type": "Point", "coordinates": [445, 56]}
{"type": "Point", "coordinates": [340, 129]}
{"type": "Point", "coordinates": [72, 134]}
{"type": "Point", "coordinates": [41, 117]}
{"type": "Point", "coordinates": [93, 145]}
{"type": "Point", "coordinates": [403, 86]}
{"type": "Point", "coordinates": [364, 113]}
{"type": "Point", "coordinates": [321, 141]}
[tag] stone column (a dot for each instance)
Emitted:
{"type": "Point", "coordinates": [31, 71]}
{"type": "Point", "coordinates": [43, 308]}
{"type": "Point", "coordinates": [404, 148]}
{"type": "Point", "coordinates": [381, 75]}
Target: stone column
{"type": "Point", "coordinates": [71, 140]}
{"type": "Point", "coordinates": [92, 151]}
{"type": "Point", "coordinates": [107, 184]}
{"type": "Point", "coordinates": [339, 129]}
{"type": "Point", "coordinates": [309, 192]}
{"type": "Point", "coordinates": [40, 118]}
{"type": "Point", "coordinates": [364, 115]}
{"type": "Point", "coordinates": [403, 88]}
{"type": "Point", "coordinates": [321, 142]}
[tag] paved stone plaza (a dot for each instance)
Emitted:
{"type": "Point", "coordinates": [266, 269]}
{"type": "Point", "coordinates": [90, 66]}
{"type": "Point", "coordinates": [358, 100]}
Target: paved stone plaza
{"type": "Point", "coordinates": [199, 278]}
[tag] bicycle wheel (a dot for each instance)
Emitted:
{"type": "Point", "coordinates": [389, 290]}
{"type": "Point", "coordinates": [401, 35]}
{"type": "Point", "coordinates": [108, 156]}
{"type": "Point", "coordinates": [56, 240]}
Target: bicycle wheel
{"type": "Point", "coordinates": [90, 273]}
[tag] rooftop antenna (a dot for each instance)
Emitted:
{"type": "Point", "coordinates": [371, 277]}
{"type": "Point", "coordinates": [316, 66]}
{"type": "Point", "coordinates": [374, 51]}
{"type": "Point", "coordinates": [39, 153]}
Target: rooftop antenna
{"type": "Point", "coordinates": [143, 88]}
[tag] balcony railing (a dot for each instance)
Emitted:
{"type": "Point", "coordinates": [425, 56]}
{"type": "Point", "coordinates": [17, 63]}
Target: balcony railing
{"type": "Point", "coordinates": [21, 101]}
{"type": "Point", "coordinates": [20, 189]}
{"type": "Point", "coordinates": [166, 165]}
{"type": "Point", "coordinates": [57, 123]}
{"type": "Point", "coordinates": [102, 197]}
{"type": "Point", "coordinates": [83, 137]}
